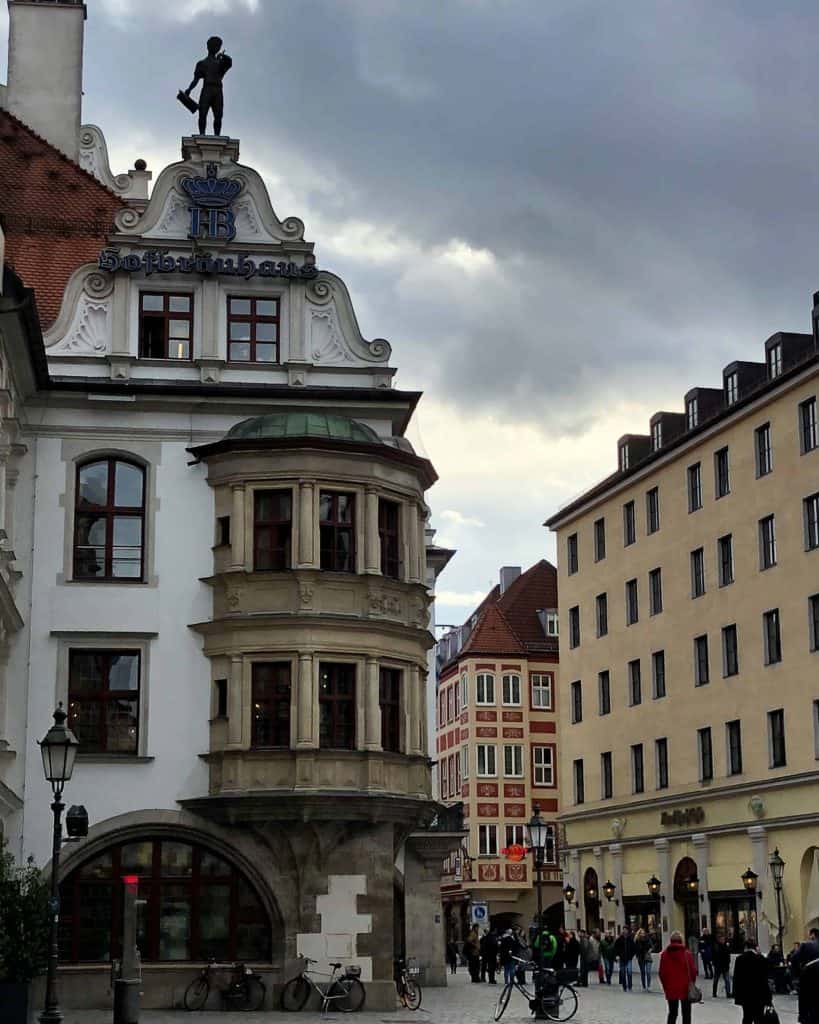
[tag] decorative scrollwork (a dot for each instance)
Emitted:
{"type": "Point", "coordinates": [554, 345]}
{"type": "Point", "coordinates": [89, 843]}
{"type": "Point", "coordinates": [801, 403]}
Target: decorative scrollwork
{"type": "Point", "coordinates": [127, 219]}
{"type": "Point", "coordinates": [380, 348]}
{"type": "Point", "coordinates": [99, 284]}
{"type": "Point", "coordinates": [319, 290]}
{"type": "Point", "coordinates": [292, 227]}
{"type": "Point", "coordinates": [87, 137]}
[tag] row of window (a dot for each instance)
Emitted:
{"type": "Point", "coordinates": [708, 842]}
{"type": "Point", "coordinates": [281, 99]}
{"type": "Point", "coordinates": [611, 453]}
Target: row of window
{"type": "Point", "coordinates": [166, 327]}
{"type": "Point", "coordinates": [515, 836]}
{"type": "Point", "coordinates": [453, 698]}
{"type": "Point", "coordinates": [486, 767]}
{"type": "Point", "coordinates": [109, 526]}
{"type": "Point", "coordinates": [763, 457]}
{"type": "Point", "coordinates": [725, 569]}
{"type": "Point", "coordinates": [105, 690]}
{"type": "Point", "coordinates": [777, 757]}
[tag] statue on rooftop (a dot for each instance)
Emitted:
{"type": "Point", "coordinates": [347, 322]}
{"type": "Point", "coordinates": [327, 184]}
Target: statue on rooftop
{"type": "Point", "coordinates": [209, 71]}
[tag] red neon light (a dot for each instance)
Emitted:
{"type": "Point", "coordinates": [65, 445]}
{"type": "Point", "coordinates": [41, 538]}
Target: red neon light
{"type": "Point", "coordinates": [131, 879]}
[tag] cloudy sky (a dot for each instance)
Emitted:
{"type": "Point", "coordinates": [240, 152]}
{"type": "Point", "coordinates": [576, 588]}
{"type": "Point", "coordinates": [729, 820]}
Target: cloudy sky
{"type": "Point", "coordinates": [563, 214]}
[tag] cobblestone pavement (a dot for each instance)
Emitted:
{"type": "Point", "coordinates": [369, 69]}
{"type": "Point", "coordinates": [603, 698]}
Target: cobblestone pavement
{"type": "Point", "coordinates": [465, 1003]}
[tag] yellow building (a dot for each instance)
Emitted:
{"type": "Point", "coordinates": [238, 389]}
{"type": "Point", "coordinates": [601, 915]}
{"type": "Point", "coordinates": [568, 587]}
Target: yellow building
{"type": "Point", "coordinates": [496, 728]}
{"type": "Point", "coordinates": [689, 594]}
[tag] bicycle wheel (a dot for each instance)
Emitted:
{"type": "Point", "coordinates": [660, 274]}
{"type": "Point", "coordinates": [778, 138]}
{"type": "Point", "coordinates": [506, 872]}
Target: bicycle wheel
{"type": "Point", "coordinates": [196, 994]}
{"type": "Point", "coordinates": [564, 1008]}
{"type": "Point", "coordinates": [348, 994]}
{"type": "Point", "coordinates": [252, 995]}
{"type": "Point", "coordinates": [295, 993]}
{"type": "Point", "coordinates": [503, 1001]}
{"type": "Point", "coordinates": [412, 994]}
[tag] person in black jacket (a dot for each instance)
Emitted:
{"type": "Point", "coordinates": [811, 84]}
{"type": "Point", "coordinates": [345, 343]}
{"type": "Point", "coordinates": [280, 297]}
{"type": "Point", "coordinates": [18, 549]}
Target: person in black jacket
{"type": "Point", "coordinates": [722, 967]}
{"type": "Point", "coordinates": [751, 989]}
{"type": "Point", "coordinates": [489, 956]}
{"type": "Point", "coordinates": [809, 993]}
{"type": "Point", "coordinates": [624, 950]}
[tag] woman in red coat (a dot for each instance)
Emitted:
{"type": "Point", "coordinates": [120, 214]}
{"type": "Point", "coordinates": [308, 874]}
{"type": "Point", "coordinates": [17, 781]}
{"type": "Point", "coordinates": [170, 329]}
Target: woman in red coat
{"type": "Point", "coordinates": [678, 969]}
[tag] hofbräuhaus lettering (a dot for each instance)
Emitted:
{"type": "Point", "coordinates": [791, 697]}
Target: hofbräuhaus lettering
{"type": "Point", "coordinates": [159, 262]}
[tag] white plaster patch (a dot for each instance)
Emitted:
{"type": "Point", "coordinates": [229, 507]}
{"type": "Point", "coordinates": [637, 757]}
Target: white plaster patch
{"type": "Point", "coordinates": [341, 924]}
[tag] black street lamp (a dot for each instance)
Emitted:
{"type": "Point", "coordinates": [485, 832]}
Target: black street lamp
{"type": "Point", "coordinates": [569, 893]}
{"type": "Point", "coordinates": [654, 885]}
{"type": "Point", "coordinates": [59, 749]}
{"type": "Point", "coordinates": [749, 878]}
{"type": "Point", "coordinates": [777, 871]}
{"type": "Point", "coordinates": [609, 889]}
{"type": "Point", "coordinates": [538, 838]}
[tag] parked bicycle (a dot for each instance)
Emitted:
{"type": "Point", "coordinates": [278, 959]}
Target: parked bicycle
{"type": "Point", "coordinates": [558, 999]}
{"type": "Point", "coordinates": [343, 992]}
{"type": "Point", "coordinates": [409, 991]}
{"type": "Point", "coordinates": [245, 989]}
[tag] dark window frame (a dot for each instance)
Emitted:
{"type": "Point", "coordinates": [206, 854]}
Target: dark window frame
{"type": "Point", "coordinates": [572, 554]}
{"type": "Point", "coordinates": [632, 603]}
{"type": "Point", "coordinates": [702, 670]}
{"type": "Point", "coordinates": [604, 692]}
{"type": "Point", "coordinates": [813, 621]}
{"type": "Point", "coordinates": [694, 480]}
{"type": "Point", "coordinates": [772, 636]}
{"type": "Point", "coordinates": [653, 510]}
{"type": "Point", "coordinates": [697, 573]}
{"type": "Point", "coordinates": [661, 758]}
{"type": "Point", "coordinates": [638, 773]}
{"type": "Point", "coordinates": [333, 529]}
{"type": "Point", "coordinates": [655, 591]}
{"type": "Point", "coordinates": [776, 735]}
{"type": "Point", "coordinates": [105, 698]}
{"type": "Point", "coordinates": [606, 775]}
{"type": "Point", "coordinates": [733, 743]}
{"type": "Point", "coordinates": [271, 704]}
{"type": "Point", "coordinates": [810, 506]}
{"type": "Point", "coordinates": [253, 319]}
{"type": "Point", "coordinates": [808, 431]}
{"type": "Point", "coordinates": [574, 626]}
{"type": "Point", "coordinates": [767, 542]}
{"type": "Point", "coordinates": [599, 539]}
{"type": "Point", "coordinates": [579, 781]}
{"type": "Point", "coordinates": [389, 700]}
{"type": "Point", "coordinates": [278, 531]}
{"type": "Point", "coordinates": [109, 512]}
{"type": "Point", "coordinates": [340, 706]}
{"type": "Point", "coordinates": [576, 691]}
{"type": "Point", "coordinates": [705, 752]}
{"type": "Point", "coordinates": [730, 651]}
{"type": "Point", "coordinates": [658, 683]}
{"type": "Point", "coordinates": [629, 524]}
{"type": "Point", "coordinates": [389, 537]}
{"type": "Point", "coordinates": [722, 473]}
{"type": "Point", "coordinates": [763, 450]}
{"type": "Point", "coordinates": [635, 683]}
{"type": "Point", "coordinates": [725, 559]}
{"type": "Point", "coordinates": [165, 315]}
{"type": "Point", "coordinates": [601, 609]}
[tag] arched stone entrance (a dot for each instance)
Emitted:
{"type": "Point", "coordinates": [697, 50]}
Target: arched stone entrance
{"type": "Point", "coordinates": [686, 896]}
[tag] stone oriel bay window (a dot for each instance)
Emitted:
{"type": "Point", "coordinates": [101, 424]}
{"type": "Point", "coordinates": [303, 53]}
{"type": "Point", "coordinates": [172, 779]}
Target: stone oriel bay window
{"type": "Point", "coordinates": [272, 530]}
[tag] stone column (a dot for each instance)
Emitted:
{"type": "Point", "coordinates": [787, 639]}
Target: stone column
{"type": "Point", "coordinates": [306, 554]}
{"type": "Point", "coordinates": [577, 882]}
{"type": "Point", "coordinates": [372, 706]}
{"type": "Point", "coordinates": [237, 528]}
{"type": "Point", "coordinates": [121, 336]}
{"type": "Point", "coordinates": [422, 705]}
{"type": "Point", "coordinates": [210, 320]}
{"type": "Point", "coordinates": [235, 703]}
{"type": "Point", "coordinates": [306, 737]}
{"type": "Point", "coordinates": [616, 851]}
{"type": "Point", "coordinates": [372, 554]}
{"type": "Point", "coordinates": [700, 841]}
{"type": "Point", "coordinates": [412, 542]}
{"type": "Point", "coordinates": [663, 848]}
{"type": "Point", "coordinates": [4, 452]}
{"type": "Point", "coordinates": [422, 545]}
{"type": "Point", "coordinates": [759, 863]}
{"type": "Point", "coordinates": [415, 712]}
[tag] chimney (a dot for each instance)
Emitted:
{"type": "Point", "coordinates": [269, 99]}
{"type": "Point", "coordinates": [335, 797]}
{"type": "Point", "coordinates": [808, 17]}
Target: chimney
{"type": "Point", "coordinates": [45, 69]}
{"type": "Point", "coordinates": [508, 575]}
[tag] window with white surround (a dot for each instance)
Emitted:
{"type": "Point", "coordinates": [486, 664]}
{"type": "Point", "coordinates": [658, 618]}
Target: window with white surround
{"type": "Point", "coordinates": [516, 835]}
{"type": "Point", "coordinates": [487, 840]}
{"type": "Point", "coordinates": [635, 685]}
{"type": "Point", "coordinates": [552, 622]}
{"type": "Point", "coordinates": [486, 766]}
{"type": "Point", "coordinates": [542, 691]}
{"type": "Point", "coordinates": [485, 688]}
{"type": "Point", "coordinates": [762, 450]}
{"type": "Point", "coordinates": [606, 776]}
{"type": "Point", "coordinates": [513, 760]}
{"type": "Point", "coordinates": [731, 388]}
{"type": "Point", "coordinates": [623, 457]}
{"type": "Point", "coordinates": [464, 690]}
{"type": "Point", "coordinates": [692, 413]}
{"type": "Point", "coordinates": [543, 766]}
{"type": "Point", "coordinates": [637, 768]}
{"type": "Point", "coordinates": [730, 651]}
{"type": "Point", "coordinates": [656, 436]}
{"type": "Point", "coordinates": [444, 777]}
{"type": "Point", "coordinates": [465, 762]}
{"type": "Point", "coordinates": [775, 360]}
{"type": "Point", "coordinates": [811, 511]}
{"type": "Point", "coordinates": [808, 434]}
{"type": "Point", "coordinates": [511, 689]}
{"type": "Point", "coordinates": [816, 729]}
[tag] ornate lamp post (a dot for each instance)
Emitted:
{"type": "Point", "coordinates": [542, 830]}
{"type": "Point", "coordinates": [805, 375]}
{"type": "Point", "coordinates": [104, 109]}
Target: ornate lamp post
{"type": "Point", "coordinates": [58, 749]}
{"type": "Point", "coordinates": [777, 866]}
{"type": "Point", "coordinates": [749, 879]}
{"type": "Point", "coordinates": [654, 886]}
{"type": "Point", "coordinates": [569, 892]}
{"type": "Point", "coordinates": [538, 837]}
{"type": "Point", "coordinates": [609, 889]}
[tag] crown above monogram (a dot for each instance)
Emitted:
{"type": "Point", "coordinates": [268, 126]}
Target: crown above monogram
{"type": "Point", "coordinates": [212, 191]}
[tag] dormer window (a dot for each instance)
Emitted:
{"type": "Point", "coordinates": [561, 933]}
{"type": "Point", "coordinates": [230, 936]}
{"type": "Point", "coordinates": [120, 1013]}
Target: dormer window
{"type": "Point", "coordinates": [692, 412]}
{"type": "Point", "coordinates": [731, 388]}
{"type": "Point", "coordinates": [253, 330]}
{"type": "Point", "coordinates": [623, 456]}
{"type": "Point", "coordinates": [552, 627]}
{"type": "Point", "coordinates": [656, 436]}
{"type": "Point", "coordinates": [774, 360]}
{"type": "Point", "coordinates": [165, 325]}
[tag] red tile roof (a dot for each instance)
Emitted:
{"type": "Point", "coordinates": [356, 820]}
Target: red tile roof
{"type": "Point", "coordinates": [55, 215]}
{"type": "Point", "coordinates": [493, 635]}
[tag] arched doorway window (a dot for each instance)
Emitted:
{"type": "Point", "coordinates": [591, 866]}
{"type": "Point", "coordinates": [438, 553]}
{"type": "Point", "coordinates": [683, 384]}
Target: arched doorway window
{"type": "Point", "coordinates": [686, 893]}
{"type": "Point", "coordinates": [197, 906]}
{"type": "Point", "coordinates": [591, 899]}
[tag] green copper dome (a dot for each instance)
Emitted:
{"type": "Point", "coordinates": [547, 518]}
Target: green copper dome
{"type": "Point", "coordinates": [304, 424]}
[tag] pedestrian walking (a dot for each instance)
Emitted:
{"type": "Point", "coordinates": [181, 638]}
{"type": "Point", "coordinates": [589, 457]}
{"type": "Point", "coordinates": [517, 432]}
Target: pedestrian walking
{"type": "Point", "coordinates": [678, 972]}
{"type": "Point", "coordinates": [507, 951]}
{"type": "Point", "coordinates": [583, 975]}
{"type": "Point", "coordinates": [644, 957]}
{"type": "Point", "coordinates": [593, 955]}
{"type": "Point", "coordinates": [751, 989]}
{"type": "Point", "coordinates": [706, 951]}
{"type": "Point", "coordinates": [472, 952]}
{"type": "Point", "coordinates": [452, 957]}
{"type": "Point", "coordinates": [624, 950]}
{"type": "Point", "coordinates": [489, 956]}
{"type": "Point", "coordinates": [722, 967]}
{"type": "Point", "coordinates": [607, 957]}
{"type": "Point", "coordinates": [809, 993]}
{"type": "Point", "coordinates": [544, 947]}
{"type": "Point", "coordinates": [571, 952]}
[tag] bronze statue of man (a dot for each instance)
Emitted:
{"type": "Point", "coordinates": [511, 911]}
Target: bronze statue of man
{"type": "Point", "coordinates": [210, 71]}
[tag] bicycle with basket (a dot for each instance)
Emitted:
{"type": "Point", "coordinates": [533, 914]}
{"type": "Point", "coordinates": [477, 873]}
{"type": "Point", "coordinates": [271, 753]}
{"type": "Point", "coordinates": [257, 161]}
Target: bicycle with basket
{"type": "Point", "coordinates": [245, 989]}
{"type": "Point", "coordinates": [343, 992]}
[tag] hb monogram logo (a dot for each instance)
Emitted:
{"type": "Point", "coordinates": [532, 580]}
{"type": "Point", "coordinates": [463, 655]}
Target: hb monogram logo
{"type": "Point", "coordinates": [211, 197]}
